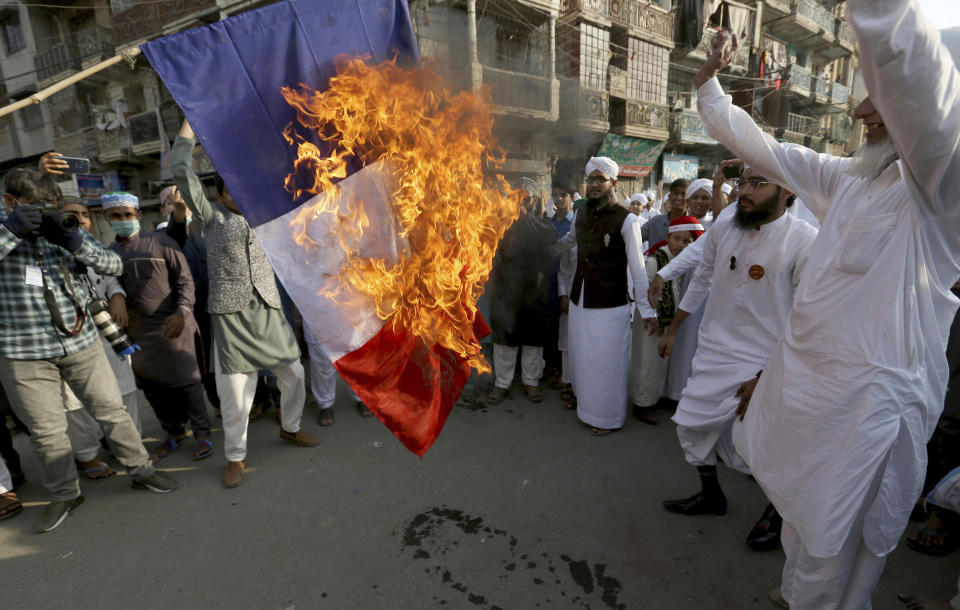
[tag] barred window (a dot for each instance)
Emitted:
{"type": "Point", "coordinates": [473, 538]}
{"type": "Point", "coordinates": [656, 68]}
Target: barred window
{"type": "Point", "coordinates": [594, 56]}
{"type": "Point", "coordinates": [647, 70]}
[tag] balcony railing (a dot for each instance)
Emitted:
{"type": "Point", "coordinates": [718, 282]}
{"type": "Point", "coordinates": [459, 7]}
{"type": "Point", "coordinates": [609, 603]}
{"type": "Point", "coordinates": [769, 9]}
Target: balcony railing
{"type": "Point", "coordinates": [82, 143]}
{"type": "Point", "coordinates": [632, 14]}
{"type": "Point", "coordinates": [841, 129]}
{"type": "Point", "coordinates": [640, 115]}
{"type": "Point", "coordinates": [687, 126]}
{"type": "Point", "coordinates": [800, 79]}
{"type": "Point", "coordinates": [583, 105]}
{"type": "Point", "coordinates": [519, 90]}
{"type": "Point", "coordinates": [94, 43]}
{"type": "Point", "coordinates": [839, 93]}
{"type": "Point", "coordinates": [822, 88]}
{"type": "Point", "coordinates": [59, 58]}
{"type": "Point", "coordinates": [816, 13]}
{"type": "Point", "coordinates": [114, 144]}
{"type": "Point", "coordinates": [798, 123]}
{"type": "Point", "coordinates": [845, 34]}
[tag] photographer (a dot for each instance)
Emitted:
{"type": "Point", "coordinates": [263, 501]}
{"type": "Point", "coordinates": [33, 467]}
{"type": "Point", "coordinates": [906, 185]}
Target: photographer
{"type": "Point", "coordinates": [47, 336]}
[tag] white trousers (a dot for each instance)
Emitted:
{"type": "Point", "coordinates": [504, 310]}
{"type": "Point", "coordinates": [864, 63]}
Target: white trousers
{"type": "Point", "coordinates": [566, 370]}
{"type": "Point", "coordinates": [323, 376]}
{"type": "Point", "coordinates": [236, 392]}
{"type": "Point", "coordinates": [6, 481]}
{"type": "Point", "coordinates": [843, 582]}
{"type": "Point", "coordinates": [83, 430]}
{"type": "Point", "coordinates": [505, 362]}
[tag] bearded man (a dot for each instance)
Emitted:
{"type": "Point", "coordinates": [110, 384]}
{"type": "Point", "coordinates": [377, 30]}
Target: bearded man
{"type": "Point", "coordinates": [608, 243]}
{"type": "Point", "coordinates": [837, 424]}
{"type": "Point", "coordinates": [750, 269]}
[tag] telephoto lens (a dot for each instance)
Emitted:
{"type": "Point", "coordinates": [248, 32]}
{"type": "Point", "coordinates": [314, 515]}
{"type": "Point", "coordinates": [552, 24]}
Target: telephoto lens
{"type": "Point", "coordinates": [114, 335]}
{"type": "Point", "coordinates": [66, 222]}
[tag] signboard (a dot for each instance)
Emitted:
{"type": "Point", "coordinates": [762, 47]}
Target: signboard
{"type": "Point", "coordinates": [635, 156]}
{"type": "Point", "coordinates": [90, 187]}
{"type": "Point", "coordinates": [680, 166]}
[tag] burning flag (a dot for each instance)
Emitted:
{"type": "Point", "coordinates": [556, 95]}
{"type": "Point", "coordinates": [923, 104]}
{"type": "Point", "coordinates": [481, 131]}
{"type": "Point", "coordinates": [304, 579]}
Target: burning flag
{"type": "Point", "coordinates": [362, 177]}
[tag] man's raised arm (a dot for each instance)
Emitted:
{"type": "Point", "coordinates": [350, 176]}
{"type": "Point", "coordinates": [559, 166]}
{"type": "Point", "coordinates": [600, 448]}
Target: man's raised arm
{"type": "Point", "coordinates": [811, 175]}
{"type": "Point", "coordinates": [915, 86]}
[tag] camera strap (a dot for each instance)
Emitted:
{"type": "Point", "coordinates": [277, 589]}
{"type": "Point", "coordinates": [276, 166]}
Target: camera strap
{"type": "Point", "coordinates": [50, 298]}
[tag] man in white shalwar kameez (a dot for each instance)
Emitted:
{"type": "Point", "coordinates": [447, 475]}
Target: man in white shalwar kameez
{"type": "Point", "coordinates": [837, 424]}
{"type": "Point", "coordinates": [608, 243]}
{"type": "Point", "coordinates": [751, 266]}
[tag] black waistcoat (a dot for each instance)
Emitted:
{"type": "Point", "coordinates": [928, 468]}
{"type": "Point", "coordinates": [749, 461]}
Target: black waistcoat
{"type": "Point", "coordinates": [601, 257]}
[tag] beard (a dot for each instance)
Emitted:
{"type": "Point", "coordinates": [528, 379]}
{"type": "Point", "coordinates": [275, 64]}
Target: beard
{"type": "Point", "coordinates": [761, 212]}
{"type": "Point", "coordinates": [871, 159]}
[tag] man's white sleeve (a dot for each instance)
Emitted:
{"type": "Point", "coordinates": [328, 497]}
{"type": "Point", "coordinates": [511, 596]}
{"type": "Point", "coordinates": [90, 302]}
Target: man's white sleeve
{"type": "Point", "coordinates": [812, 176]}
{"type": "Point", "coordinates": [684, 262]}
{"type": "Point", "coordinates": [699, 288]}
{"type": "Point", "coordinates": [566, 271]}
{"type": "Point", "coordinates": [913, 83]}
{"type": "Point", "coordinates": [637, 267]}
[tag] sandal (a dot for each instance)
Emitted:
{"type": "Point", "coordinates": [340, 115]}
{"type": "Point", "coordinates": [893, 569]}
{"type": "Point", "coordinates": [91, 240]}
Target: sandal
{"type": "Point", "coordinates": [204, 449]}
{"type": "Point", "coordinates": [939, 542]}
{"type": "Point", "coordinates": [558, 384]}
{"type": "Point", "coordinates": [570, 404]}
{"type": "Point", "coordinates": [496, 396]}
{"type": "Point", "coordinates": [568, 393]}
{"type": "Point", "coordinates": [98, 470]}
{"type": "Point", "coordinates": [326, 416]}
{"type": "Point", "coordinates": [167, 447]}
{"type": "Point", "coordinates": [363, 410]}
{"type": "Point", "coordinates": [600, 431]}
{"type": "Point", "coordinates": [10, 506]}
{"type": "Point", "coordinates": [533, 393]}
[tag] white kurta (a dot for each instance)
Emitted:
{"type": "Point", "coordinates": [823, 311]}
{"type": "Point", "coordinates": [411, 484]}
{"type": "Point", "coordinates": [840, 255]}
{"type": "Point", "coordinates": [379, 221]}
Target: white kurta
{"type": "Point", "coordinates": [743, 319]}
{"type": "Point", "coordinates": [648, 371]}
{"type": "Point", "coordinates": [855, 386]}
{"type": "Point", "coordinates": [599, 340]}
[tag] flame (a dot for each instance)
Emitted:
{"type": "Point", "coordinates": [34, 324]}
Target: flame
{"type": "Point", "coordinates": [434, 145]}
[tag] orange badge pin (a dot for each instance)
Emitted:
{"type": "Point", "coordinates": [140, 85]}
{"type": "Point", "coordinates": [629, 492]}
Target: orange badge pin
{"type": "Point", "coordinates": [756, 272]}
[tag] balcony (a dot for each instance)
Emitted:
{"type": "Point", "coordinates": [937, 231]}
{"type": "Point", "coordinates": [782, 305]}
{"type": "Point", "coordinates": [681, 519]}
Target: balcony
{"type": "Point", "coordinates": [639, 18]}
{"type": "Point", "coordinates": [775, 9]}
{"type": "Point", "coordinates": [114, 144]}
{"type": "Point", "coordinates": [799, 80]}
{"type": "Point", "coordinates": [82, 143]}
{"type": "Point", "coordinates": [840, 130]}
{"type": "Point", "coordinates": [521, 94]}
{"type": "Point", "coordinates": [839, 94]}
{"type": "Point", "coordinates": [696, 57]}
{"type": "Point", "coordinates": [145, 133]}
{"type": "Point", "coordinates": [821, 90]}
{"type": "Point", "coordinates": [639, 119]}
{"type": "Point", "coordinates": [583, 108]}
{"type": "Point", "coordinates": [843, 43]}
{"type": "Point", "coordinates": [800, 129]}
{"type": "Point", "coordinates": [686, 127]}
{"type": "Point", "coordinates": [58, 62]}
{"type": "Point", "coordinates": [808, 23]}
{"type": "Point", "coordinates": [95, 44]}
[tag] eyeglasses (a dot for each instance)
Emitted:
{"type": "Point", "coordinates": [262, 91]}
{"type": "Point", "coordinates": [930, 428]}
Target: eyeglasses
{"type": "Point", "coordinates": [753, 183]}
{"type": "Point", "coordinates": [597, 179]}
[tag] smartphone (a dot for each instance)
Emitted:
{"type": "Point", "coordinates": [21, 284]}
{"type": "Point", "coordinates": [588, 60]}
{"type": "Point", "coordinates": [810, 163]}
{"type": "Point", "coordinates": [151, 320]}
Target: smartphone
{"type": "Point", "coordinates": [733, 171]}
{"type": "Point", "coordinates": [76, 165]}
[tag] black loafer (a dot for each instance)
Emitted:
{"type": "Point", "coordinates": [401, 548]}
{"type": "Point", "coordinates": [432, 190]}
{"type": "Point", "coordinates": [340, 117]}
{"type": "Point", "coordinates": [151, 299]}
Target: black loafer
{"type": "Point", "coordinates": [765, 535]}
{"type": "Point", "coordinates": [698, 504]}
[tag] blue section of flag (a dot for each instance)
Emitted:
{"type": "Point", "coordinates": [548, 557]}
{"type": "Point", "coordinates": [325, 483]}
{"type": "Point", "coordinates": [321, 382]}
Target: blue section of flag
{"type": "Point", "coordinates": [227, 79]}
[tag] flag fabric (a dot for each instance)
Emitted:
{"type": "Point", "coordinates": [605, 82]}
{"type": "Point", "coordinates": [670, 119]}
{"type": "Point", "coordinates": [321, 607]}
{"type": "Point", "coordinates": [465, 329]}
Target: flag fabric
{"type": "Point", "coordinates": [227, 78]}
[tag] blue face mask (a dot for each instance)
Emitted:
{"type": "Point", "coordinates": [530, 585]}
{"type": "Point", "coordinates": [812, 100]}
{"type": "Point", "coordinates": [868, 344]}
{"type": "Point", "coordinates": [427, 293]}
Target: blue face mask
{"type": "Point", "coordinates": [125, 228]}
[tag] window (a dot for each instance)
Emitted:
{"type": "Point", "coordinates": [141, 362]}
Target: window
{"type": "Point", "coordinates": [594, 56]}
{"type": "Point", "coordinates": [647, 69]}
{"type": "Point", "coordinates": [13, 38]}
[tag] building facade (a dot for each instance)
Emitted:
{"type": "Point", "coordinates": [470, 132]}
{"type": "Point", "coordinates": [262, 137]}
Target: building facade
{"type": "Point", "coordinates": [569, 79]}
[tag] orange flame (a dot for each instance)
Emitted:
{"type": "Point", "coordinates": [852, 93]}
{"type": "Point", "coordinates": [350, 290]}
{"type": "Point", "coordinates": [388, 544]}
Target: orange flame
{"type": "Point", "coordinates": [434, 144]}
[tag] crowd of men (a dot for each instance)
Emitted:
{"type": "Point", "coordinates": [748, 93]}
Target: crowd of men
{"type": "Point", "coordinates": [792, 313]}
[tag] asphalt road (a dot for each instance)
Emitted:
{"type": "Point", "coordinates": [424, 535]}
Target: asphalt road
{"type": "Point", "coordinates": [515, 506]}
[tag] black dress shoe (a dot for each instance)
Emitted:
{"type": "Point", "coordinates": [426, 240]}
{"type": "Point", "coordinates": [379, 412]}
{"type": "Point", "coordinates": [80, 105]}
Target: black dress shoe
{"type": "Point", "coordinates": [765, 535]}
{"type": "Point", "coordinates": [699, 504]}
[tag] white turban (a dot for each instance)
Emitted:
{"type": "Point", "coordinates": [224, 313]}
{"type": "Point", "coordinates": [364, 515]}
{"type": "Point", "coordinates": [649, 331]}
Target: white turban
{"type": "Point", "coordinates": [950, 38]}
{"type": "Point", "coordinates": [700, 184]}
{"type": "Point", "coordinates": [605, 164]}
{"type": "Point", "coordinates": [726, 188]}
{"type": "Point", "coordinates": [639, 197]}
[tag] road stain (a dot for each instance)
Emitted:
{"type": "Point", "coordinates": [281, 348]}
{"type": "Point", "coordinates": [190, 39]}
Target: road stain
{"type": "Point", "coordinates": [436, 534]}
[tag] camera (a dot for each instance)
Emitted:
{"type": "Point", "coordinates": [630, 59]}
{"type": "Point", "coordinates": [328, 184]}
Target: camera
{"type": "Point", "coordinates": [63, 221]}
{"type": "Point", "coordinates": [115, 336]}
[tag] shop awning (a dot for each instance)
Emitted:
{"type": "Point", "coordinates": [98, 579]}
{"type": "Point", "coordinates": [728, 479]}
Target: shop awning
{"type": "Point", "coordinates": [636, 156]}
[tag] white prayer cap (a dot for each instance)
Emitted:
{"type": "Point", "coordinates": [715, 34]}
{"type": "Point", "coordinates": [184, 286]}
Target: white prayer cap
{"type": "Point", "coordinates": [529, 185]}
{"type": "Point", "coordinates": [605, 164]}
{"type": "Point", "coordinates": [950, 38]}
{"type": "Point", "coordinates": [638, 197]}
{"type": "Point", "coordinates": [166, 193]}
{"type": "Point", "coordinates": [726, 188]}
{"type": "Point", "coordinates": [700, 184]}
{"type": "Point", "coordinates": [119, 200]}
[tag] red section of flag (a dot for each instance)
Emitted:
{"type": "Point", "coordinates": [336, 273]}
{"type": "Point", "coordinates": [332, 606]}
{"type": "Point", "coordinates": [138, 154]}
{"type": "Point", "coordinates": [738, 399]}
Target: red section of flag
{"type": "Point", "coordinates": [409, 386]}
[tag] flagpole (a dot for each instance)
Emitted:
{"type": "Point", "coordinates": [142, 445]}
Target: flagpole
{"type": "Point", "coordinates": [36, 98]}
